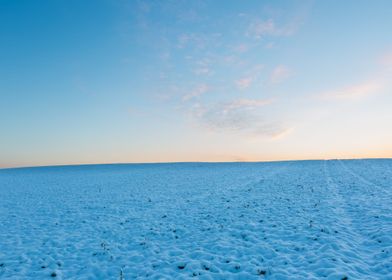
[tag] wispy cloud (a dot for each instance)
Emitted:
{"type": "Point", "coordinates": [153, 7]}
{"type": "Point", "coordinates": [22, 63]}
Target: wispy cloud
{"type": "Point", "coordinates": [278, 23]}
{"type": "Point", "coordinates": [378, 81]}
{"type": "Point", "coordinates": [355, 91]}
{"type": "Point", "coordinates": [196, 92]}
{"type": "Point", "coordinates": [270, 45]}
{"type": "Point", "coordinates": [240, 116]}
{"type": "Point", "coordinates": [241, 48]}
{"type": "Point", "coordinates": [197, 40]}
{"type": "Point", "coordinates": [183, 40]}
{"type": "Point", "coordinates": [386, 59]}
{"type": "Point", "coordinates": [246, 103]}
{"type": "Point", "coordinates": [251, 76]}
{"type": "Point", "coordinates": [279, 74]}
{"type": "Point", "coordinates": [203, 67]}
{"type": "Point", "coordinates": [260, 29]}
{"type": "Point", "coordinates": [244, 83]}
{"type": "Point", "coordinates": [202, 71]}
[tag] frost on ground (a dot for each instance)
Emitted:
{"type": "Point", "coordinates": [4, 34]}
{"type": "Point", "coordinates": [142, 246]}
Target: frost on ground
{"type": "Point", "coordinates": [282, 220]}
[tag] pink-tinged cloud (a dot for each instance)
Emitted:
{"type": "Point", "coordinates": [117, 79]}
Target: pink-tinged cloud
{"type": "Point", "coordinates": [251, 76]}
{"type": "Point", "coordinates": [355, 91]}
{"type": "Point", "coordinates": [279, 74]}
{"type": "Point", "coordinates": [241, 48]}
{"type": "Point", "coordinates": [198, 91]}
{"type": "Point", "coordinates": [244, 83]}
{"type": "Point", "coordinates": [386, 59]}
{"type": "Point", "coordinates": [247, 103]}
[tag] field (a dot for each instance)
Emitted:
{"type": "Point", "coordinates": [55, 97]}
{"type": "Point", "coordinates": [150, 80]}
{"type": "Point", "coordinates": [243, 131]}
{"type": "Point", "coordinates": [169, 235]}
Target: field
{"type": "Point", "coordinates": [278, 220]}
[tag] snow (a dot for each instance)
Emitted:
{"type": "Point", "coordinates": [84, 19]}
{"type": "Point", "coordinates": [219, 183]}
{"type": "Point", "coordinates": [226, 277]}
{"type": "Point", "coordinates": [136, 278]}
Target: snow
{"type": "Point", "coordinates": [277, 220]}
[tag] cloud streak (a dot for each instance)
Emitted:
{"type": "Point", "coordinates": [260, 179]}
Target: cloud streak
{"type": "Point", "coordinates": [279, 74]}
{"type": "Point", "coordinates": [241, 116]}
{"type": "Point", "coordinates": [386, 60]}
{"type": "Point", "coordinates": [356, 91]}
{"type": "Point", "coordinates": [367, 88]}
{"type": "Point", "coordinates": [250, 77]}
{"type": "Point", "coordinates": [261, 29]}
{"type": "Point", "coordinates": [196, 92]}
{"type": "Point", "coordinates": [244, 83]}
{"type": "Point", "coordinates": [246, 103]}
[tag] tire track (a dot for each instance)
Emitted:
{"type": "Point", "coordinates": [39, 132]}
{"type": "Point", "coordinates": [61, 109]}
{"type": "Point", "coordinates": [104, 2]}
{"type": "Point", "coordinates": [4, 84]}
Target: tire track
{"type": "Point", "coordinates": [366, 237]}
{"type": "Point", "coordinates": [362, 179]}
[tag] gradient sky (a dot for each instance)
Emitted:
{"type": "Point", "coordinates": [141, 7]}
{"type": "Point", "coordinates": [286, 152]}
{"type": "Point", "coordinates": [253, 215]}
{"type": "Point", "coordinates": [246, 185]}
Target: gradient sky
{"type": "Point", "coordinates": [155, 81]}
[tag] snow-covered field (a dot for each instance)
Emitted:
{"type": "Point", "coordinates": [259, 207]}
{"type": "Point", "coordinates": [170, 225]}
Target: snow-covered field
{"type": "Point", "coordinates": [282, 220]}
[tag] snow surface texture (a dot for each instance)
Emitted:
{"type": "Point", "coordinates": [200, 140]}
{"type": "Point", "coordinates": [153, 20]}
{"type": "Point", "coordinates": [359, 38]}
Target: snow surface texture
{"type": "Point", "coordinates": [282, 220]}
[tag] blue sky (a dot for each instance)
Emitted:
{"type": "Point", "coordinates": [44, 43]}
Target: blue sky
{"type": "Point", "coordinates": [156, 81]}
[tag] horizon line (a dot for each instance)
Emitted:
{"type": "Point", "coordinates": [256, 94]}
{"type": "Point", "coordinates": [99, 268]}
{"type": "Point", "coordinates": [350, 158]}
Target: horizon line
{"type": "Point", "coordinates": [184, 162]}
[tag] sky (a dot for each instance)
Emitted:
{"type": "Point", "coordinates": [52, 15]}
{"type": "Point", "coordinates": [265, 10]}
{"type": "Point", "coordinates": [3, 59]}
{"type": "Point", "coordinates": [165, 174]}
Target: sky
{"type": "Point", "coordinates": [167, 81]}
